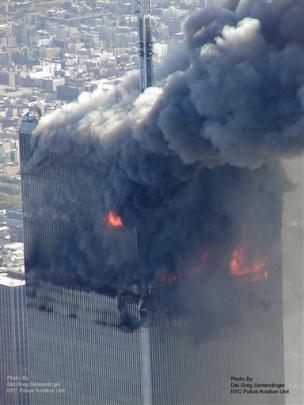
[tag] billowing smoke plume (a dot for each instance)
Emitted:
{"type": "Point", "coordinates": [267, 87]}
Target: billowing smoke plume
{"type": "Point", "coordinates": [235, 96]}
{"type": "Point", "coordinates": [192, 163]}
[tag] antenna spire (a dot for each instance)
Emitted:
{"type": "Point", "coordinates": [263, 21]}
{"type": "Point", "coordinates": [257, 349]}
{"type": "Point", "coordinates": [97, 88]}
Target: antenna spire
{"type": "Point", "coordinates": [143, 12]}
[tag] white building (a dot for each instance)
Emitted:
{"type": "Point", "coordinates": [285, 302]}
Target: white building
{"type": "Point", "coordinates": [13, 347]}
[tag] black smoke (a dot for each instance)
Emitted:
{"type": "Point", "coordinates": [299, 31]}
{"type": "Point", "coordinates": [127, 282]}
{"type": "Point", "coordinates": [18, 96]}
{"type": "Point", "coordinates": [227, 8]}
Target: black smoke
{"type": "Point", "coordinates": [193, 163]}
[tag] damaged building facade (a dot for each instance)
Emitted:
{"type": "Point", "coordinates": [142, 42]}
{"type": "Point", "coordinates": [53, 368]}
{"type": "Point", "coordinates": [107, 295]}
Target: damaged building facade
{"type": "Point", "coordinates": [117, 335]}
{"type": "Point", "coordinates": [153, 222]}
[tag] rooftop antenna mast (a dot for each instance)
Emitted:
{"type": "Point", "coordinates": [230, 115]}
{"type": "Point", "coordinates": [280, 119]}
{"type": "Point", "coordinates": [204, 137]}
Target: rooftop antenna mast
{"type": "Point", "coordinates": [143, 12]}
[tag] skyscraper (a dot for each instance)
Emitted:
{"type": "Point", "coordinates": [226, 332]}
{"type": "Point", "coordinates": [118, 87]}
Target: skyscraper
{"type": "Point", "coordinates": [99, 334]}
{"type": "Point", "coordinates": [13, 338]}
{"type": "Point", "coordinates": [143, 12]}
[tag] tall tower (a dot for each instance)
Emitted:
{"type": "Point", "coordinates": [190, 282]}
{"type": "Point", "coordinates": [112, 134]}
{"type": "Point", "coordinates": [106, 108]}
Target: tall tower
{"type": "Point", "coordinates": [13, 348]}
{"type": "Point", "coordinates": [100, 334]}
{"type": "Point", "coordinates": [143, 12]}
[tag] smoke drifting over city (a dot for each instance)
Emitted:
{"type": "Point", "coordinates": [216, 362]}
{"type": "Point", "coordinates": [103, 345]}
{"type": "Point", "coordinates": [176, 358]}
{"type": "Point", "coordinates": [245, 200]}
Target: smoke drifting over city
{"type": "Point", "coordinates": [192, 162]}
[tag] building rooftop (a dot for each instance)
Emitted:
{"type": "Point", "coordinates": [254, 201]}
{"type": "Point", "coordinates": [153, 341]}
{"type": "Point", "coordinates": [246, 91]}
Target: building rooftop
{"type": "Point", "coordinates": [14, 246]}
{"type": "Point", "coordinates": [29, 123]}
{"type": "Point", "coordinates": [9, 280]}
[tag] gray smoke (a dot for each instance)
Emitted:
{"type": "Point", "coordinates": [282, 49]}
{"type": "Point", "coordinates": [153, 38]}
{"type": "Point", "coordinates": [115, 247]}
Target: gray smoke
{"type": "Point", "coordinates": [235, 95]}
{"type": "Point", "coordinates": [192, 162]}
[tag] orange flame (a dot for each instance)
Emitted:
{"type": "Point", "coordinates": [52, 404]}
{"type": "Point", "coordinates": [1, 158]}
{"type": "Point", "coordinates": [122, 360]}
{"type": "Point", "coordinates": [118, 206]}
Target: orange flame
{"type": "Point", "coordinates": [166, 278]}
{"type": "Point", "coordinates": [241, 266]}
{"type": "Point", "coordinates": [113, 220]}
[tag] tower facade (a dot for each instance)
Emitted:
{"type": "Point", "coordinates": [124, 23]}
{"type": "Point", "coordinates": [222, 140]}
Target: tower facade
{"type": "Point", "coordinates": [100, 334]}
{"type": "Point", "coordinates": [13, 337]}
{"type": "Point", "coordinates": [81, 347]}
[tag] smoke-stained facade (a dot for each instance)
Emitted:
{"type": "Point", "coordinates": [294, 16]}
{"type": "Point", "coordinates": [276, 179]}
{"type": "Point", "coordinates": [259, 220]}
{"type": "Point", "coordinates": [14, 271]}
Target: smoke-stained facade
{"type": "Point", "coordinates": [151, 337]}
{"type": "Point", "coordinates": [77, 343]}
{"type": "Point", "coordinates": [207, 221]}
{"type": "Point", "coordinates": [169, 206]}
